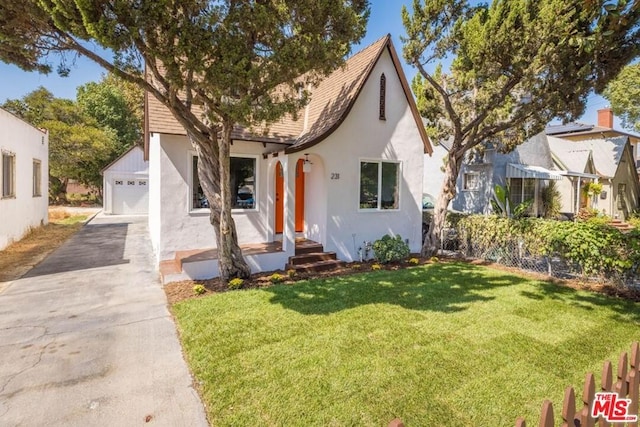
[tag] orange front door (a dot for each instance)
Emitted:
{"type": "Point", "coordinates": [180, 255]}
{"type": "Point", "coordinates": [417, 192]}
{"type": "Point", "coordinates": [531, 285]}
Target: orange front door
{"type": "Point", "coordinates": [279, 198]}
{"type": "Point", "coordinates": [299, 197]}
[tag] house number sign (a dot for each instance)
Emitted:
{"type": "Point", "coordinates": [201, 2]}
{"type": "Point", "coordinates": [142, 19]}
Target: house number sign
{"type": "Point", "coordinates": [335, 175]}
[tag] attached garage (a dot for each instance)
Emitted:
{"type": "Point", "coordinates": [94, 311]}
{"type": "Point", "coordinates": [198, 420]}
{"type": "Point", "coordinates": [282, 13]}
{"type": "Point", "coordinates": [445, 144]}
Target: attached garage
{"type": "Point", "coordinates": [126, 184]}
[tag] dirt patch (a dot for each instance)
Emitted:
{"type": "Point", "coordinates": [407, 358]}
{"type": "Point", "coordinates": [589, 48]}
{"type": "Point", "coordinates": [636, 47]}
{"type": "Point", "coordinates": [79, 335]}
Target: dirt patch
{"type": "Point", "coordinates": [21, 256]}
{"type": "Point", "coordinates": [184, 290]}
{"type": "Point", "coordinates": [180, 291]}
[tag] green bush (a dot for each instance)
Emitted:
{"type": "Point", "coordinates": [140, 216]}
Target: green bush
{"type": "Point", "coordinates": [390, 249]}
{"type": "Point", "coordinates": [414, 261]}
{"type": "Point", "coordinates": [594, 246]}
{"type": "Point", "coordinates": [235, 283]}
{"type": "Point", "coordinates": [199, 289]}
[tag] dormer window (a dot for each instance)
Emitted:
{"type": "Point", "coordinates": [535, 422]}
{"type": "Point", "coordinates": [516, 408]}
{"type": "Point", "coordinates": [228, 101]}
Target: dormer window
{"type": "Point", "coordinates": [383, 95]}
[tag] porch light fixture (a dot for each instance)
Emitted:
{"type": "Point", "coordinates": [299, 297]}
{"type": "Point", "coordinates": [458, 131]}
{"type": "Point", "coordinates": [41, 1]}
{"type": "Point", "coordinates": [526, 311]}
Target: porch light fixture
{"type": "Point", "coordinates": [306, 164]}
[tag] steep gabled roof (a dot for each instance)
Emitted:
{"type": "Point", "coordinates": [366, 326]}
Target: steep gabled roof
{"type": "Point", "coordinates": [606, 153]}
{"type": "Point", "coordinates": [330, 104]}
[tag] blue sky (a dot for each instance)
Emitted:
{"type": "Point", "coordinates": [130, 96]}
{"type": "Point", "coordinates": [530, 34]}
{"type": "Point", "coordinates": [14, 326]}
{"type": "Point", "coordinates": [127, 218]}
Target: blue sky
{"type": "Point", "coordinates": [385, 18]}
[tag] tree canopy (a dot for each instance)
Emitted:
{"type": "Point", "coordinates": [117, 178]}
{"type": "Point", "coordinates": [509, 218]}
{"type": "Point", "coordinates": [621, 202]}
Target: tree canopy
{"type": "Point", "coordinates": [116, 105]}
{"type": "Point", "coordinates": [78, 146]}
{"type": "Point", "coordinates": [515, 66]}
{"type": "Point", "coordinates": [241, 62]}
{"type": "Point", "coordinates": [624, 95]}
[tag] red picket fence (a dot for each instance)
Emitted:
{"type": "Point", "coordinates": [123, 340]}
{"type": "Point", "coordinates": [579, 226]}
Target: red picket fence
{"type": "Point", "coordinates": [627, 385]}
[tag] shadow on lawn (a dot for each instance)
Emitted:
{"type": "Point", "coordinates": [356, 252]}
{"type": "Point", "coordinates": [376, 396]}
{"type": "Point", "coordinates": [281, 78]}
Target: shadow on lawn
{"type": "Point", "coordinates": [442, 287]}
{"type": "Point", "coordinates": [587, 300]}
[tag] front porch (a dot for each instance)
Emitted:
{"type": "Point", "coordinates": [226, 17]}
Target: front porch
{"type": "Point", "coordinates": [200, 264]}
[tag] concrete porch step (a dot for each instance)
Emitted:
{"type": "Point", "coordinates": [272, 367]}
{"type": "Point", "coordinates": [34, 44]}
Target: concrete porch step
{"type": "Point", "coordinates": [308, 247]}
{"type": "Point", "coordinates": [318, 266]}
{"type": "Point", "coordinates": [311, 258]}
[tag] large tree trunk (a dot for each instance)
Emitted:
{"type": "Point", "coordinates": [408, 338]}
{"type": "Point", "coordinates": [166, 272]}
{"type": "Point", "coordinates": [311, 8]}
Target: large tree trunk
{"type": "Point", "coordinates": [213, 172]}
{"type": "Point", "coordinates": [432, 241]}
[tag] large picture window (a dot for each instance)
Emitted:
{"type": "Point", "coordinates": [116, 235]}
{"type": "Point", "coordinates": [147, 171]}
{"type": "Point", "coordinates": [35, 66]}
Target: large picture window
{"type": "Point", "coordinates": [379, 185]}
{"type": "Point", "coordinates": [8, 175]}
{"type": "Point", "coordinates": [521, 190]}
{"type": "Point", "coordinates": [243, 185]}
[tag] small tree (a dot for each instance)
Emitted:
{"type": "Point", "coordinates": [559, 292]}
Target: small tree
{"type": "Point", "coordinates": [79, 147]}
{"type": "Point", "coordinates": [623, 93]}
{"type": "Point", "coordinates": [516, 65]}
{"type": "Point", "coordinates": [241, 62]}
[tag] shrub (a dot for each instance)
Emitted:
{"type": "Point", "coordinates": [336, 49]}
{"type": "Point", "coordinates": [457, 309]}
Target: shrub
{"type": "Point", "coordinates": [356, 266]}
{"type": "Point", "coordinates": [199, 289]}
{"type": "Point", "coordinates": [276, 278]}
{"type": "Point", "coordinates": [592, 246]}
{"type": "Point", "coordinates": [414, 261]}
{"type": "Point", "coordinates": [390, 249]}
{"type": "Point", "coordinates": [235, 283]}
{"type": "Point", "coordinates": [376, 267]}
{"type": "Point", "coordinates": [434, 259]}
{"type": "Point", "coordinates": [291, 273]}
{"type": "Point", "coordinates": [551, 200]}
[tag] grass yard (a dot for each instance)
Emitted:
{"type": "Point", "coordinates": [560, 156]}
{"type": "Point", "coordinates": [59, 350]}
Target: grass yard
{"type": "Point", "coordinates": [444, 344]}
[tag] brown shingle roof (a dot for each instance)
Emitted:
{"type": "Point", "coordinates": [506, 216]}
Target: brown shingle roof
{"type": "Point", "coordinates": [330, 103]}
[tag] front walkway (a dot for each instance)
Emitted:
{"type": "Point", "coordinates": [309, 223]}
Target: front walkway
{"type": "Point", "coordinates": [86, 338]}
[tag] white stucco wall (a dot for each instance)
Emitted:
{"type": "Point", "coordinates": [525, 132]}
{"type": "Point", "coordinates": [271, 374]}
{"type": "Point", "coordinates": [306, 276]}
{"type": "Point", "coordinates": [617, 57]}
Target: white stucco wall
{"type": "Point", "coordinates": [155, 193]}
{"type": "Point", "coordinates": [332, 215]}
{"type": "Point", "coordinates": [24, 211]}
{"type": "Point", "coordinates": [362, 136]}
{"type": "Point", "coordinates": [174, 227]}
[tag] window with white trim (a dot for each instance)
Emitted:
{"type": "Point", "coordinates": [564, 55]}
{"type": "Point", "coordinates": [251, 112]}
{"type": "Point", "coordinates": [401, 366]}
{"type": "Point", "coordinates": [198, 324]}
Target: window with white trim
{"type": "Point", "coordinates": [8, 175]}
{"type": "Point", "coordinates": [37, 178]}
{"type": "Point", "coordinates": [471, 181]}
{"type": "Point", "coordinates": [379, 185]}
{"type": "Point", "coordinates": [243, 184]}
{"type": "Point", "coordinates": [521, 190]}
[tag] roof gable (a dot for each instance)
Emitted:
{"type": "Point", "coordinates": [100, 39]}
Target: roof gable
{"type": "Point", "coordinates": [606, 153]}
{"type": "Point", "coordinates": [131, 161]}
{"type": "Point", "coordinates": [331, 101]}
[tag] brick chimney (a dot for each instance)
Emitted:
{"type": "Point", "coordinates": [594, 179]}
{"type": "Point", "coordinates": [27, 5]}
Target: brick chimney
{"type": "Point", "coordinates": [605, 118]}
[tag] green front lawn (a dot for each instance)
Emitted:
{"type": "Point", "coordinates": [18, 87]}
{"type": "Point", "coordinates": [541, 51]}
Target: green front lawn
{"type": "Point", "coordinates": [442, 344]}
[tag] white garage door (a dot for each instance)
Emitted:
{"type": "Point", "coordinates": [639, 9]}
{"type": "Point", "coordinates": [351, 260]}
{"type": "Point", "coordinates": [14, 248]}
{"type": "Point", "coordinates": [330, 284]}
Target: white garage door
{"type": "Point", "coordinates": [130, 196]}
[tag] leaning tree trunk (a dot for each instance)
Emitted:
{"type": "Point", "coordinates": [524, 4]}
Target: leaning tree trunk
{"type": "Point", "coordinates": [432, 240]}
{"type": "Point", "coordinates": [213, 172]}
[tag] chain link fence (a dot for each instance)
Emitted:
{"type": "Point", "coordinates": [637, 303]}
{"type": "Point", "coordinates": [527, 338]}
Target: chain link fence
{"type": "Point", "coordinates": [515, 252]}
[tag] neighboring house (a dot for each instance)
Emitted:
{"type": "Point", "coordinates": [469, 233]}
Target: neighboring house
{"type": "Point", "coordinates": [24, 176]}
{"type": "Point", "coordinates": [526, 171]}
{"type": "Point", "coordinates": [573, 155]}
{"type": "Point", "coordinates": [348, 171]}
{"type": "Point", "coordinates": [603, 130]}
{"type": "Point", "coordinates": [126, 184]}
{"type": "Point", "coordinates": [607, 160]}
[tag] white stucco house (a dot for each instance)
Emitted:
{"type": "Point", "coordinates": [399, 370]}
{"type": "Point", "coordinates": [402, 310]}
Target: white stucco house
{"type": "Point", "coordinates": [24, 176]}
{"type": "Point", "coordinates": [348, 171]}
{"type": "Point", "coordinates": [125, 184]}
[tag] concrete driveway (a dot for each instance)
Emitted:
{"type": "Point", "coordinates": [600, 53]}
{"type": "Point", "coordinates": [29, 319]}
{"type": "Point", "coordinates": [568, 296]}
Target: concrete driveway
{"type": "Point", "coordinates": [86, 338]}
